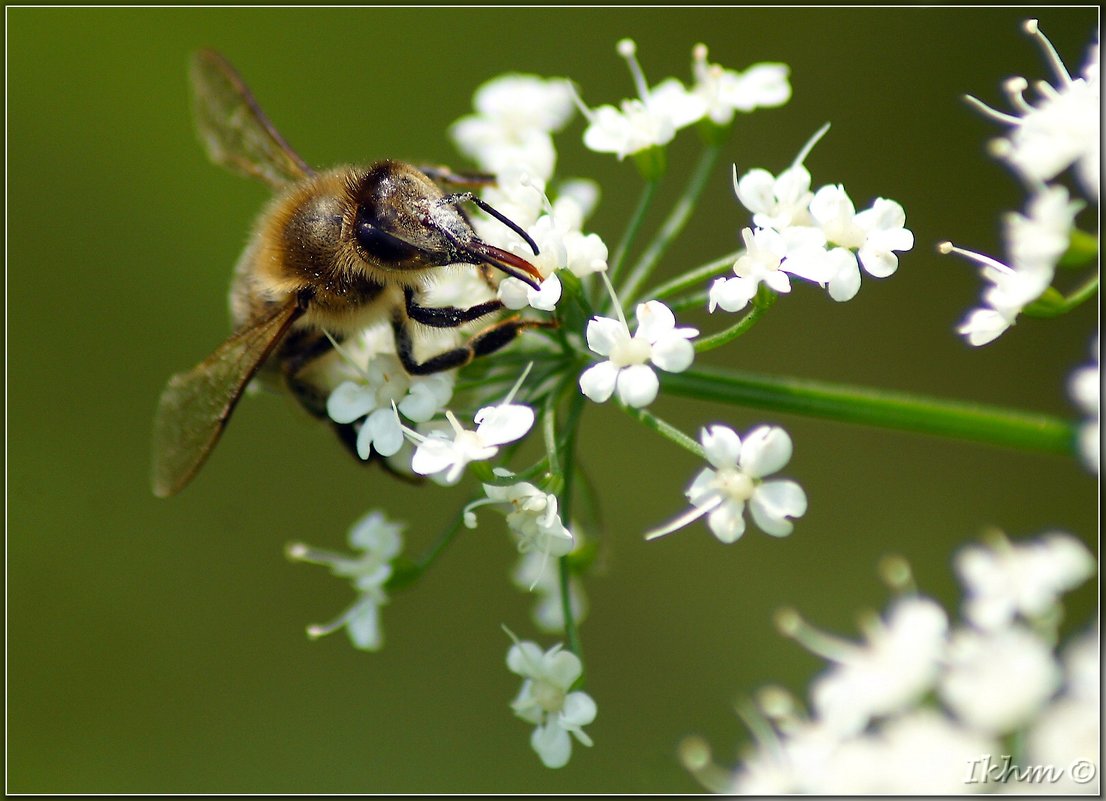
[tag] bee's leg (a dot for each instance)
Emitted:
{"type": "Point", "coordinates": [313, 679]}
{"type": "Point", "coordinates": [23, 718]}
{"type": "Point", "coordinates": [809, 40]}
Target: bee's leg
{"type": "Point", "coordinates": [299, 350]}
{"type": "Point", "coordinates": [489, 340]}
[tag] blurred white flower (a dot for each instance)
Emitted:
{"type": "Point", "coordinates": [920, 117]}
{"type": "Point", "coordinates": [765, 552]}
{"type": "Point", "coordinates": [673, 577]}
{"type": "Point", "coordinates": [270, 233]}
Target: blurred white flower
{"type": "Point", "coordinates": [649, 120]}
{"type": "Point", "coordinates": [532, 574]}
{"type": "Point", "coordinates": [1035, 242]}
{"type": "Point", "coordinates": [726, 91]}
{"type": "Point", "coordinates": [897, 665]}
{"type": "Point", "coordinates": [1086, 390]}
{"type": "Point", "coordinates": [1061, 129]}
{"type": "Point", "coordinates": [996, 682]}
{"type": "Point", "coordinates": [1004, 580]}
{"type": "Point", "coordinates": [380, 541]}
{"type": "Point", "coordinates": [515, 115]}
{"type": "Point", "coordinates": [547, 700]}
{"type": "Point", "coordinates": [627, 369]}
{"type": "Point", "coordinates": [1070, 728]}
{"type": "Point", "coordinates": [736, 479]}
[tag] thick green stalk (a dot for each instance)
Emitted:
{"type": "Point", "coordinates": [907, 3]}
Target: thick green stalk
{"type": "Point", "coordinates": [896, 410]}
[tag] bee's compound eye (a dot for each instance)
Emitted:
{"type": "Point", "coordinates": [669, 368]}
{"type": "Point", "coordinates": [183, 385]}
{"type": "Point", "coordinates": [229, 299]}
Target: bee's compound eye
{"type": "Point", "coordinates": [376, 241]}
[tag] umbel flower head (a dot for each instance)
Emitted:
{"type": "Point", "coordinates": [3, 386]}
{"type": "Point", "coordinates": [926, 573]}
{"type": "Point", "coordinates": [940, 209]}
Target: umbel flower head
{"type": "Point", "coordinates": [921, 705]}
{"type": "Point", "coordinates": [1061, 129]}
{"type": "Point", "coordinates": [379, 540]}
{"type": "Point", "coordinates": [736, 479]}
{"type": "Point", "coordinates": [547, 700]}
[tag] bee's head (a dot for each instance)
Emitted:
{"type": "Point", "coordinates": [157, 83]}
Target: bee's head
{"type": "Point", "coordinates": [404, 221]}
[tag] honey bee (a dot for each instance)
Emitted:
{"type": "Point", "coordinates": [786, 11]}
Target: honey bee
{"type": "Point", "coordinates": [333, 252]}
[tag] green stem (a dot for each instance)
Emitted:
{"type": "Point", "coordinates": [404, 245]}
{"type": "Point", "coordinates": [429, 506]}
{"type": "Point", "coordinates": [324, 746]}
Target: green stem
{"type": "Point", "coordinates": [1053, 304]}
{"type": "Point", "coordinates": [665, 429]}
{"type": "Point", "coordinates": [572, 425]}
{"type": "Point", "coordinates": [407, 573]}
{"type": "Point", "coordinates": [692, 278]}
{"type": "Point", "coordinates": [672, 227]}
{"type": "Point", "coordinates": [1082, 249]}
{"type": "Point", "coordinates": [734, 331]}
{"type": "Point", "coordinates": [896, 410]}
{"type": "Point", "coordinates": [649, 192]}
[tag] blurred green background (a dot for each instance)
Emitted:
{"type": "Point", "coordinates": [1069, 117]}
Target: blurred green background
{"type": "Point", "coordinates": [158, 646]}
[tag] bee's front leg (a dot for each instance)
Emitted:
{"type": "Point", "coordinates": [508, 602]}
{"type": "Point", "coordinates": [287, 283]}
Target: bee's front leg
{"type": "Point", "coordinates": [491, 339]}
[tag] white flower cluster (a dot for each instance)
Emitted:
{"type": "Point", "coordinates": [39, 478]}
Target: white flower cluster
{"type": "Point", "coordinates": [653, 118]}
{"type": "Point", "coordinates": [511, 136]}
{"type": "Point", "coordinates": [1046, 139]}
{"type": "Point", "coordinates": [817, 236]}
{"type": "Point", "coordinates": [547, 700]}
{"type": "Point", "coordinates": [871, 730]}
{"type": "Point", "coordinates": [380, 386]}
{"type": "Point", "coordinates": [380, 540]}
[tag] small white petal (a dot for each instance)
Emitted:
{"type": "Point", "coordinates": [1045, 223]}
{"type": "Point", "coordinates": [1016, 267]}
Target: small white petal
{"type": "Point", "coordinates": [552, 744]}
{"type": "Point", "coordinates": [498, 425]}
{"type": "Point", "coordinates": [654, 320]}
{"type": "Point", "coordinates": [722, 446]}
{"type": "Point", "coordinates": [598, 381]}
{"type": "Point", "coordinates": [766, 450]}
{"type": "Point", "coordinates": [773, 503]}
{"type": "Point", "coordinates": [727, 521]}
{"type": "Point", "coordinates": [604, 334]}
{"type": "Point", "coordinates": [673, 353]}
{"type": "Point", "coordinates": [350, 401]}
{"type": "Point", "coordinates": [637, 385]}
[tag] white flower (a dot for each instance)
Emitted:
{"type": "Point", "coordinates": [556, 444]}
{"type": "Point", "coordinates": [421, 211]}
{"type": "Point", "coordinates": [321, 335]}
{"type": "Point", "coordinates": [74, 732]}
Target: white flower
{"type": "Point", "coordinates": [1086, 389]}
{"type": "Point", "coordinates": [1008, 579]}
{"type": "Point", "coordinates": [875, 234]}
{"type": "Point", "coordinates": [380, 541]}
{"type": "Point", "coordinates": [515, 115]}
{"type": "Point", "coordinates": [1070, 728]}
{"type": "Point", "coordinates": [997, 681]}
{"type": "Point", "coordinates": [650, 120]}
{"type": "Point", "coordinates": [547, 700]}
{"type": "Point", "coordinates": [531, 575]}
{"type": "Point", "coordinates": [737, 479]}
{"type": "Point", "coordinates": [768, 257]}
{"type": "Point", "coordinates": [557, 233]}
{"type": "Point", "coordinates": [381, 383]}
{"type": "Point", "coordinates": [657, 340]}
{"type": "Point", "coordinates": [441, 453]}
{"type": "Point", "coordinates": [776, 202]}
{"type": "Point", "coordinates": [921, 752]}
{"type": "Point", "coordinates": [726, 91]}
{"type": "Point", "coordinates": [898, 664]}
{"type": "Point", "coordinates": [1035, 242]}
{"type": "Point", "coordinates": [532, 517]}
{"type": "Point", "coordinates": [516, 294]}
{"type": "Point", "coordinates": [1061, 130]}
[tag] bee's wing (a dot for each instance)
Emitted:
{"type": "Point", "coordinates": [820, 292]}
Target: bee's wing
{"type": "Point", "coordinates": [234, 130]}
{"type": "Point", "coordinates": [195, 406]}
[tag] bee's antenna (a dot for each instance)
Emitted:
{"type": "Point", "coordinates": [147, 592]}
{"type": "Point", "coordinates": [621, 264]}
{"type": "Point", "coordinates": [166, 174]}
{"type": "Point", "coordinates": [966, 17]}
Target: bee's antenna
{"type": "Point", "coordinates": [463, 197]}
